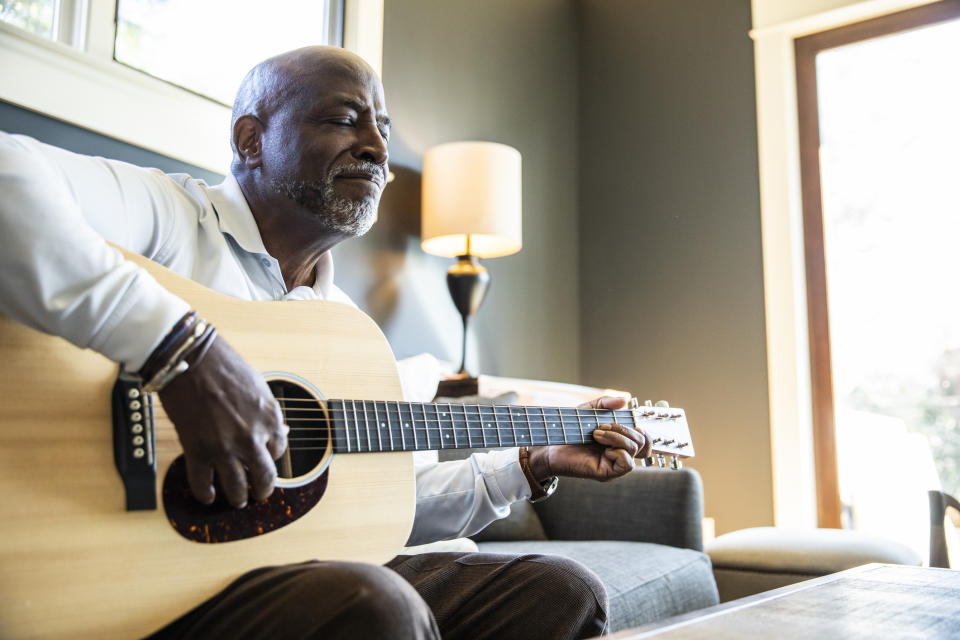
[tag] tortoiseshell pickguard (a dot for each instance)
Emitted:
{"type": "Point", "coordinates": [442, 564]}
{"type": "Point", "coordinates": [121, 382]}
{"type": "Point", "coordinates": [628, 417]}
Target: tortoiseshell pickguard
{"type": "Point", "coordinates": [220, 522]}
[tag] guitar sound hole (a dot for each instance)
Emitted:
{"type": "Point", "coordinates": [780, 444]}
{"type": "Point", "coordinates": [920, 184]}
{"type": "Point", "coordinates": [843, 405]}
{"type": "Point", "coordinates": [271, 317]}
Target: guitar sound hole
{"type": "Point", "coordinates": [308, 437]}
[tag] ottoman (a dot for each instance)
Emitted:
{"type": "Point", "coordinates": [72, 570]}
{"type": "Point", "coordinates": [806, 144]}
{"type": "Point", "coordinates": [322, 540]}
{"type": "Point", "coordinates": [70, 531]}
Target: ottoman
{"type": "Point", "coordinates": [749, 561]}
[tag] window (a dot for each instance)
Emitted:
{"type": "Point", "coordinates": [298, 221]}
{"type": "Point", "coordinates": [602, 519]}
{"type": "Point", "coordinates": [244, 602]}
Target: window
{"type": "Point", "coordinates": [207, 47]}
{"type": "Point", "coordinates": [35, 16]}
{"type": "Point", "coordinates": [879, 138]}
{"type": "Point", "coordinates": [58, 59]}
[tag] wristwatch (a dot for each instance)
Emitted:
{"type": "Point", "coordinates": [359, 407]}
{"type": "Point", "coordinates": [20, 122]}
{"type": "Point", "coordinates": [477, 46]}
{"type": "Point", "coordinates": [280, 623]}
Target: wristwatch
{"type": "Point", "coordinates": [539, 491]}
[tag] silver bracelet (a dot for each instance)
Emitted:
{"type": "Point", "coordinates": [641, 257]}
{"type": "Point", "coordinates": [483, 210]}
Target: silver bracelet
{"type": "Point", "coordinates": [175, 365]}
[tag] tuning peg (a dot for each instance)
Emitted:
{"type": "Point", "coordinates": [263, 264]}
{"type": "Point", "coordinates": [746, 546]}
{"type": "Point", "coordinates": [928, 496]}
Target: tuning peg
{"type": "Point", "coordinates": [657, 440]}
{"type": "Point", "coordinates": [647, 403]}
{"type": "Point", "coordinates": [676, 464]}
{"type": "Point", "coordinates": [662, 403]}
{"type": "Point", "coordinates": [670, 441]}
{"type": "Point", "coordinates": [661, 461]}
{"type": "Point", "coordinates": [681, 445]}
{"type": "Point", "coordinates": [676, 416]}
{"type": "Point", "coordinates": [634, 403]}
{"type": "Point", "coordinates": [646, 462]}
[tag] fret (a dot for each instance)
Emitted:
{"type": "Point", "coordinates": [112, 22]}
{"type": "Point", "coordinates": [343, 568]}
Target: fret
{"type": "Point", "coordinates": [513, 426]}
{"type": "Point", "coordinates": [483, 436]}
{"type": "Point", "coordinates": [469, 439]}
{"type": "Point", "coordinates": [423, 411]}
{"type": "Point", "coordinates": [559, 418]}
{"type": "Point", "coordinates": [496, 426]}
{"type": "Point", "coordinates": [467, 416]}
{"type": "Point", "coordinates": [466, 425]}
{"type": "Point", "coordinates": [346, 422]}
{"type": "Point", "coordinates": [397, 423]}
{"type": "Point", "coordinates": [356, 424]}
{"type": "Point", "coordinates": [496, 422]}
{"type": "Point", "coordinates": [426, 427]}
{"type": "Point", "coordinates": [440, 426]}
{"type": "Point", "coordinates": [583, 436]}
{"type": "Point", "coordinates": [376, 418]}
{"type": "Point", "coordinates": [546, 432]}
{"type": "Point", "coordinates": [526, 412]}
{"type": "Point", "coordinates": [386, 410]}
{"type": "Point", "coordinates": [403, 440]}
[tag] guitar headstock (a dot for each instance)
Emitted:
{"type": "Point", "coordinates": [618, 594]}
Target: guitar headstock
{"type": "Point", "coordinates": [668, 429]}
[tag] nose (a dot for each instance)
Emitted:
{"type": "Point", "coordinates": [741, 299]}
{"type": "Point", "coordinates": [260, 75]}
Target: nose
{"type": "Point", "coordinates": [371, 145]}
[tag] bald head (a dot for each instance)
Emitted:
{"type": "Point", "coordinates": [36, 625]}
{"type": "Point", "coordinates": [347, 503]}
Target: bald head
{"type": "Point", "coordinates": [291, 77]}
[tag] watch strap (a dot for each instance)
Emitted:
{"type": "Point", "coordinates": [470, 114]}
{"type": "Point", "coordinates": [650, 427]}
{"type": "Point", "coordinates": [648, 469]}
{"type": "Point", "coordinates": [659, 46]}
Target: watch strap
{"type": "Point", "coordinates": [538, 490]}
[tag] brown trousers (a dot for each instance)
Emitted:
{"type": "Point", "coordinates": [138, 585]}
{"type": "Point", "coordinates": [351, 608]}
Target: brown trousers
{"type": "Point", "coordinates": [468, 596]}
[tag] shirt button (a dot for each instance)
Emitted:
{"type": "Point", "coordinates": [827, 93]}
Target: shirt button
{"type": "Point", "coordinates": [265, 262]}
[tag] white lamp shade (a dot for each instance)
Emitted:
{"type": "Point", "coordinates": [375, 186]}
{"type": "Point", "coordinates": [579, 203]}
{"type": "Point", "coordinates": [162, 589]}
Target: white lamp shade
{"type": "Point", "coordinates": [471, 188]}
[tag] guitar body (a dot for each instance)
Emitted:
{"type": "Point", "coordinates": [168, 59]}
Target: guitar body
{"type": "Point", "coordinates": [74, 563]}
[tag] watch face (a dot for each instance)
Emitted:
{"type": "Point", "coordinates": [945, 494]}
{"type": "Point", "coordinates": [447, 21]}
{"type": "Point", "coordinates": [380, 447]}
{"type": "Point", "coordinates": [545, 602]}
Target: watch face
{"type": "Point", "coordinates": [549, 486]}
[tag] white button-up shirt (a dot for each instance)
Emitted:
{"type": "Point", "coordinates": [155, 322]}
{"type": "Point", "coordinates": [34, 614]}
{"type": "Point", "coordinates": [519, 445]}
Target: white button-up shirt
{"type": "Point", "coordinates": [57, 275]}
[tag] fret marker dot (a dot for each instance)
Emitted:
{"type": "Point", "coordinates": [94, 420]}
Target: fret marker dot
{"type": "Point", "coordinates": [382, 424]}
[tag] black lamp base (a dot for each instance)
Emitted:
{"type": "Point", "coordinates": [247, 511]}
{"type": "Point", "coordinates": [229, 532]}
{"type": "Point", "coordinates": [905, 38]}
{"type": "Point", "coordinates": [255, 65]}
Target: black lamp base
{"type": "Point", "coordinates": [467, 281]}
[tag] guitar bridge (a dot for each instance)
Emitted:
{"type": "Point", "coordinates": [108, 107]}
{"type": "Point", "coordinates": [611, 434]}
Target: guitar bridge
{"type": "Point", "coordinates": [134, 443]}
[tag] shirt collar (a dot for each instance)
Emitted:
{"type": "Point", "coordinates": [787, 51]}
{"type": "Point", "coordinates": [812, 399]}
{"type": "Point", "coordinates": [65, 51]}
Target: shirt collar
{"type": "Point", "coordinates": [237, 221]}
{"type": "Point", "coordinates": [234, 215]}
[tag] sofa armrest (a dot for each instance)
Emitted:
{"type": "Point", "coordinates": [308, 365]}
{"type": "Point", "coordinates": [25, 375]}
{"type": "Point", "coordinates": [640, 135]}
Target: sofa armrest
{"type": "Point", "coordinates": [662, 506]}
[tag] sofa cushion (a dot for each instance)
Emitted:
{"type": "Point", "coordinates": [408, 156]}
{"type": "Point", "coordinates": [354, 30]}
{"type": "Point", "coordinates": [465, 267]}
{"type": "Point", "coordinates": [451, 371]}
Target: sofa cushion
{"type": "Point", "coordinates": [523, 523]}
{"type": "Point", "coordinates": [645, 582]}
{"type": "Point", "coordinates": [752, 560]}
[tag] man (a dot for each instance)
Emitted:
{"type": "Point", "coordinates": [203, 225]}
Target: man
{"type": "Point", "coordinates": [309, 136]}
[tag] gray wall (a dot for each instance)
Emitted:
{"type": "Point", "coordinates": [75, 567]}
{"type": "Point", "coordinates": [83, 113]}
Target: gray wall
{"type": "Point", "coordinates": [502, 71]}
{"type": "Point", "coordinates": [670, 258]}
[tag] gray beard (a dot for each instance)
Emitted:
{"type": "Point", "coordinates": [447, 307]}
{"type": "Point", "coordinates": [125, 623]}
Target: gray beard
{"type": "Point", "coordinates": [352, 217]}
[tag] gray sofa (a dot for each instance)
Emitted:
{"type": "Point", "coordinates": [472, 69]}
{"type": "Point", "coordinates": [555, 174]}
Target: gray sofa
{"type": "Point", "coordinates": [641, 534]}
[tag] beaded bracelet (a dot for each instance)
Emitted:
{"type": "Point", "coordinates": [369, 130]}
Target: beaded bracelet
{"type": "Point", "coordinates": [183, 348]}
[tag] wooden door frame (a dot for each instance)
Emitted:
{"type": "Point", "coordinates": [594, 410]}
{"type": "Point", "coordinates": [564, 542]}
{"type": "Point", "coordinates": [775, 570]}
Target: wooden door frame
{"type": "Point", "coordinates": [829, 507]}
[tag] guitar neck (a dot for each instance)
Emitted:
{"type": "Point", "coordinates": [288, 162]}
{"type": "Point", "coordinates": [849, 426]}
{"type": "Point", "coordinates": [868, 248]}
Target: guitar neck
{"type": "Point", "coordinates": [375, 425]}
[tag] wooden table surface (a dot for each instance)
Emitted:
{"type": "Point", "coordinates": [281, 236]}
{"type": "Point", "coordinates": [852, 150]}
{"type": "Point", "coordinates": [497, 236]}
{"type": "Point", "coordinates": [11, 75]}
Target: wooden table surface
{"type": "Point", "coordinates": [875, 601]}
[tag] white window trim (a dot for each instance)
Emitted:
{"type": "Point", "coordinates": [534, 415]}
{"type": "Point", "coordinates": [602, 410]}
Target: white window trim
{"type": "Point", "coordinates": [776, 24]}
{"type": "Point", "coordinates": [90, 90]}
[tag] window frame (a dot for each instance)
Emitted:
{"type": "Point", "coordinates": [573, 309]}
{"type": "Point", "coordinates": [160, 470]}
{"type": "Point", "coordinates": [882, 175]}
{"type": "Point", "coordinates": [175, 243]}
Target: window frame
{"type": "Point", "coordinates": [776, 25]}
{"type": "Point", "coordinates": [78, 81]}
{"type": "Point", "coordinates": [829, 504]}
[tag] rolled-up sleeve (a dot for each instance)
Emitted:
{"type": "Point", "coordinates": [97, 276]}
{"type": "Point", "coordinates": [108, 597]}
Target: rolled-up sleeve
{"type": "Point", "coordinates": [57, 273]}
{"type": "Point", "coordinates": [460, 497]}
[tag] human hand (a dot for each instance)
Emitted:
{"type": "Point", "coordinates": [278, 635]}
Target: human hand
{"type": "Point", "coordinates": [229, 422]}
{"type": "Point", "coordinates": [610, 456]}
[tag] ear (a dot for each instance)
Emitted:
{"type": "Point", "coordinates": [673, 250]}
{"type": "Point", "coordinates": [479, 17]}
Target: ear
{"type": "Point", "coordinates": [247, 138]}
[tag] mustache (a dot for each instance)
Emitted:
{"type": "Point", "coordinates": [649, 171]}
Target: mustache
{"type": "Point", "coordinates": [361, 166]}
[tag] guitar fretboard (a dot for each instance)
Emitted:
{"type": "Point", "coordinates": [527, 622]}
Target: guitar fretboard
{"type": "Point", "coordinates": [368, 425]}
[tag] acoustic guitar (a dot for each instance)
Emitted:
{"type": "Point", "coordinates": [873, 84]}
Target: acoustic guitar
{"type": "Point", "coordinates": [99, 537]}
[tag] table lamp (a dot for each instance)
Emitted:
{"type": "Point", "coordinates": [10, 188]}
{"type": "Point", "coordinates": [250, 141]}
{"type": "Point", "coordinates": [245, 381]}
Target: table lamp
{"type": "Point", "coordinates": [471, 210]}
